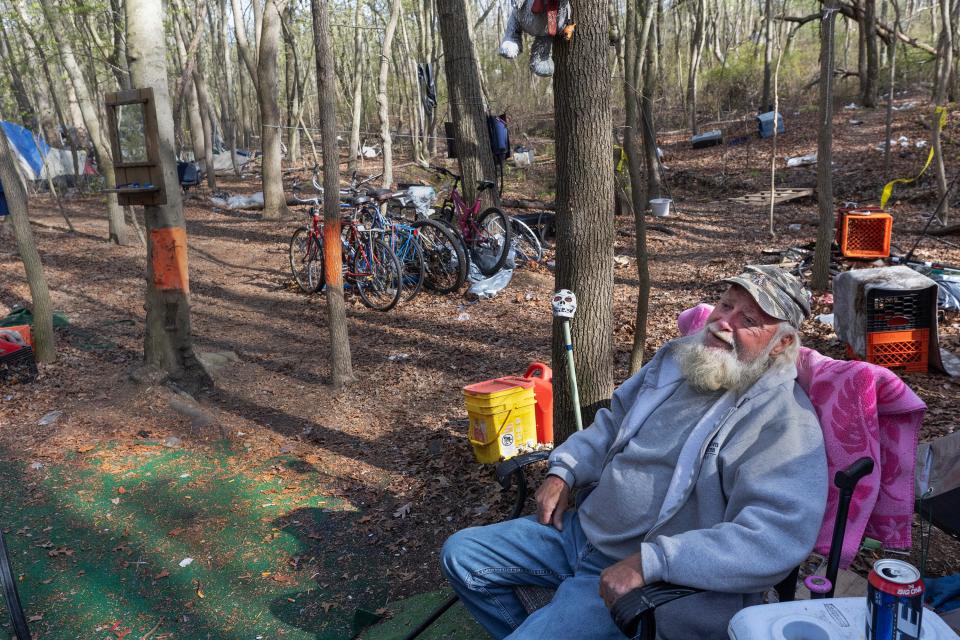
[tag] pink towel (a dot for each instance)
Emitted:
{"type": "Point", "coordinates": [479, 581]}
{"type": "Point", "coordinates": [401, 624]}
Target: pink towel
{"type": "Point", "coordinates": [864, 410]}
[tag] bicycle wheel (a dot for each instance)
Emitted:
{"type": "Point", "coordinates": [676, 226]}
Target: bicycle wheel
{"type": "Point", "coordinates": [377, 275]}
{"type": "Point", "coordinates": [443, 255]}
{"type": "Point", "coordinates": [410, 255]}
{"type": "Point", "coordinates": [526, 244]}
{"type": "Point", "coordinates": [17, 620]}
{"type": "Point", "coordinates": [491, 242]}
{"type": "Point", "coordinates": [306, 261]}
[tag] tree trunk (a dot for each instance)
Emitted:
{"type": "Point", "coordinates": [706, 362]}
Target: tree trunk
{"type": "Point", "coordinates": [767, 53]}
{"type": "Point", "coordinates": [358, 74]}
{"type": "Point", "coordinates": [891, 86]}
{"type": "Point", "coordinates": [341, 367]}
{"type": "Point", "coordinates": [228, 113]}
{"type": "Point", "coordinates": [649, 126]}
{"type": "Point", "coordinates": [821, 258]}
{"type": "Point", "coordinates": [247, 53]}
{"type": "Point", "coordinates": [585, 232]}
{"type": "Point", "coordinates": [466, 98]}
{"type": "Point", "coordinates": [870, 82]}
{"type": "Point", "coordinates": [44, 340]}
{"type": "Point", "coordinates": [274, 201]}
{"type": "Point", "coordinates": [696, 54]}
{"type": "Point", "coordinates": [635, 63]}
{"type": "Point", "coordinates": [942, 80]}
{"type": "Point", "coordinates": [168, 343]}
{"type": "Point", "coordinates": [25, 111]}
{"type": "Point", "coordinates": [119, 233]}
{"type": "Point", "coordinates": [384, 106]}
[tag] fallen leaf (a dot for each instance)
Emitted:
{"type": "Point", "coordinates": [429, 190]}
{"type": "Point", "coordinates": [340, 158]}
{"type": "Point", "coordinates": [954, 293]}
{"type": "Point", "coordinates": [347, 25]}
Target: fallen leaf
{"type": "Point", "coordinates": [121, 490]}
{"type": "Point", "coordinates": [326, 606]}
{"type": "Point", "coordinates": [36, 618]}
{"type": "Point", "coordinates": [161, 575]}
{"type": "Point", "coordinates": [403, 511]}
{"type": "Point", "coordinates": [173, 533]}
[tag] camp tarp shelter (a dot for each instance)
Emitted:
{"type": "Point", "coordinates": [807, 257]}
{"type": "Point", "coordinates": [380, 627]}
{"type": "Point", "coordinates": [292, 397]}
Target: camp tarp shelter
{"type": "Point", "coordinates": [35, 158]}
{"type": "Point", "coordinates": [223, 164]}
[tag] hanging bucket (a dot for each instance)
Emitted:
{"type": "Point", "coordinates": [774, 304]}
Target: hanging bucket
{"type": "Point", "coordinates": [660, 207]}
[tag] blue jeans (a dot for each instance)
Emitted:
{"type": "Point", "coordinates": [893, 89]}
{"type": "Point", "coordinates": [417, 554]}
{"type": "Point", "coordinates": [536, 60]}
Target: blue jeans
{"type": "Point", "coordinates": [484, 564]}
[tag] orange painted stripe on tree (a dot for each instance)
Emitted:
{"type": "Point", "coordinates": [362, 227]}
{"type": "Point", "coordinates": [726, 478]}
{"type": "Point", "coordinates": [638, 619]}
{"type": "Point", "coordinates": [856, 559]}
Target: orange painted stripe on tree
{"type": "Point", "coordinates": [333, 258]}
{"type": "Point", "coordinates": [170, 259]}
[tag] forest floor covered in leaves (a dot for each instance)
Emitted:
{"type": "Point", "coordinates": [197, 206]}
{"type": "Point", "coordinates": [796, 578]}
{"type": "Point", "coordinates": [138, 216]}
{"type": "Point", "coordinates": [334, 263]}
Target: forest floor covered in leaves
{"type": "Point", "coordinates": [308, 513]}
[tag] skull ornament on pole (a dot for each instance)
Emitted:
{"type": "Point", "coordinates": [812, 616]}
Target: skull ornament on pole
{"type": "Point", "coordinates": [564, 304]}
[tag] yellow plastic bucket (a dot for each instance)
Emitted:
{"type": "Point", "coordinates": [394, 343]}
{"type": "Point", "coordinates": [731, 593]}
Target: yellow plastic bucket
{"type": "Point", "coordinates": [502, 417]}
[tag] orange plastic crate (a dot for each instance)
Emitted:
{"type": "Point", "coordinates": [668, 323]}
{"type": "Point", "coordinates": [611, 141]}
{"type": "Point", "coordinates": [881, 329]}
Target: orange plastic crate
{"type": "Point", "coordinates": [865, 234]}
{"type": "Point", "coordinates": [907, 350]}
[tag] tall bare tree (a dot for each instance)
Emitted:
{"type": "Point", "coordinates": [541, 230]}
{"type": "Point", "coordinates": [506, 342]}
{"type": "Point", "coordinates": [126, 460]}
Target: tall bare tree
{"type": "Point", "coordinates": [268, 92]}
{"type": "Point", "coordinates": [382, 100]}
{"type": "Point", "coordinates": [585, 233]}
{"type": "Point", "coordinates": [357, 110]}
{"type": "Point", "coordinates": [466, 95]}
{"type": "Point", "coordinates": [940, 91]}
{"type": "Point", "coordinates": [341, 367]}
{"type": "Point", "coordinates": [821, 258]}
{"type": "Point", "coordinates": [168, 342]}
{"type": "Point", "coordinates": [45, 348]}
{"type": "Point", "coordinates": [870, 80]}
{"type": "Point", "coordinates": [118, 230]}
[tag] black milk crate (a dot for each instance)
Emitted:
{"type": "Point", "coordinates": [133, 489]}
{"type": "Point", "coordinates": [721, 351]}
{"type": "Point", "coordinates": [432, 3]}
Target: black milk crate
{"type": "Point", "coordinates": [18, 367]}
{"type": "Point", "coordinates": [899, 310]}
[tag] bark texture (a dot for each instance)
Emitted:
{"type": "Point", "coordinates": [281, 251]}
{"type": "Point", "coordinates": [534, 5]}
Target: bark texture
{"type": "Point", "coordinates": [168, 343]}
{"type": "Point", "coordinates": [466, 96]}
{"type": "Point", "coordinates": [341, 367]}
{"type": "Point", "coordinates": [268, 91]}
{"type": "Point", "coordinates": [821, 258]}
{"type": "Point", "coordinates": [585, 231]}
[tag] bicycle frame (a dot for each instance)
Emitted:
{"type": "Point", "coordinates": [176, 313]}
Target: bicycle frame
{"type": "Point", "coordinates": [466, 217]}
{"type": "Point", "coordinates": [354, 240]}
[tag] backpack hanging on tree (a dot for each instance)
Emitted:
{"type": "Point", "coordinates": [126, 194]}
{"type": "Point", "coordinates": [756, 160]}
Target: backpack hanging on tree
{"type": "Point", "coordinates": [499, 142]}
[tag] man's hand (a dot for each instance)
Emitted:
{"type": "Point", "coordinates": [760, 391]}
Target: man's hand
{"type": "Point", "coordinates": [553, 497]}
{"type": "Point", "coordinates": [619, 579]}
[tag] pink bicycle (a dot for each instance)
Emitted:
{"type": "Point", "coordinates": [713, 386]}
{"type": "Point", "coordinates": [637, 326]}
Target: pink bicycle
{"type": "Point", "coordinates": [485, 236]}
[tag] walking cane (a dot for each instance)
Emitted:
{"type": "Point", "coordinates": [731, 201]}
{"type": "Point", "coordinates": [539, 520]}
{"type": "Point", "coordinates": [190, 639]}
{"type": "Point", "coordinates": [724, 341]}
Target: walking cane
{"type": "Point", "coordinates": [564, 306]}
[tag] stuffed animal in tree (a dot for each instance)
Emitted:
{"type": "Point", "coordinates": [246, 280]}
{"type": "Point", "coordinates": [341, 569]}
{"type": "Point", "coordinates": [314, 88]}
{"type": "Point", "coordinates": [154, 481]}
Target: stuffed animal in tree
{"type": "Point", "coordinates": [542, 19]}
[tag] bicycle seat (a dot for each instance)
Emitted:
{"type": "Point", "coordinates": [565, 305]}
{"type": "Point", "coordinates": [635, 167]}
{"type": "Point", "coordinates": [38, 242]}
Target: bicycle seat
{"type": "Point", "coordinates": [483, 185]}
{"type": "Point", "coordinates": [359, 200]}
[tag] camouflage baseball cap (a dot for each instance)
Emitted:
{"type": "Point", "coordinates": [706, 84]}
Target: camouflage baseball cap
{"type": "Point", "coordinates": [776, 291]}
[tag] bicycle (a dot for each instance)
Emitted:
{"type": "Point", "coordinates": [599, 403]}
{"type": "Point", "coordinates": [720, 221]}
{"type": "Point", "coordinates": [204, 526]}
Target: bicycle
{"type": "Point", "coordinates": [444, 259]}
{"type": "Point", "coordinates": [485, 236]}
{"type": "Point", "coordinates": [369, 264]}
{"type": "Point", "coordinates": [526, 245]}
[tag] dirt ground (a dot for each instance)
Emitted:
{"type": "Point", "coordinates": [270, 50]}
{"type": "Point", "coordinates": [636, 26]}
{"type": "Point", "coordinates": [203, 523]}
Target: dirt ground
{"type": "Point", "coordinates": [393, 446]}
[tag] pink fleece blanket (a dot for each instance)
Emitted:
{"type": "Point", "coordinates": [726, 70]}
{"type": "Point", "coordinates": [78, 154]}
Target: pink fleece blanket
{"type": "Point", "coordinates": [864, 410]}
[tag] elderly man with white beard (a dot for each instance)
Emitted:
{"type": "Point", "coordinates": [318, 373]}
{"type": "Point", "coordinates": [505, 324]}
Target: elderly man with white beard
{"type": "Point", "coordinates": [708, 470]}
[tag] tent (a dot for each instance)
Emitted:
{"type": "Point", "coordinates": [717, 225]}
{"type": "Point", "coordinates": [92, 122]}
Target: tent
{"type": "Point", "coordinates": [36, 159]}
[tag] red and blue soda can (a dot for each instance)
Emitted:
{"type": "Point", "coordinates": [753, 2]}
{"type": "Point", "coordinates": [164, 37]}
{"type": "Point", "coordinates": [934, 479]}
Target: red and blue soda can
{"type": "Point", "coordinates": [894, 601]}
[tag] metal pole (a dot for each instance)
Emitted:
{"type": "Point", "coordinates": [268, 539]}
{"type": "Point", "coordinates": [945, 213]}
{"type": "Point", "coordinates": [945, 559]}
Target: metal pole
{"type": "Point", "coordinates": [574, 391]}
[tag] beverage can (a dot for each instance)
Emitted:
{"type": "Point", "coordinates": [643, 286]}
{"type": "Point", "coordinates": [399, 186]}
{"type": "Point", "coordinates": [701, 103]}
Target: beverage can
{"type": "Point", "coordinates": [894, 601]}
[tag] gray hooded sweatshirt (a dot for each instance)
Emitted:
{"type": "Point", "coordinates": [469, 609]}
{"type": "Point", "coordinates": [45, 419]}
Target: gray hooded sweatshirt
{"type": "Point", "coordinates": [744, 504]}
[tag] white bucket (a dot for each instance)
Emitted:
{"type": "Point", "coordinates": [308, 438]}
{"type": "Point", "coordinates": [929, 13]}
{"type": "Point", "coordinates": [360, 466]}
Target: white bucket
{"type": "Point", "coordinates": [660, 207]}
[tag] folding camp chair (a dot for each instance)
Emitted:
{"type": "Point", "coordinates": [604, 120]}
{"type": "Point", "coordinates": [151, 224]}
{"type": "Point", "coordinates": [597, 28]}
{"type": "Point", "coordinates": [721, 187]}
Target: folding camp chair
{"type": "Point", "coordinates": [17, 619]}
{"type": "Point", "coordinates": [634, 612]}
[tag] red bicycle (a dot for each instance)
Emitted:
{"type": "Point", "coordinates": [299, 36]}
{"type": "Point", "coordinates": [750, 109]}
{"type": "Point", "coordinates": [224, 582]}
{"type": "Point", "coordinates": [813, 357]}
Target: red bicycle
{"type": "Point", "coordinates": [485, 236]}
{"type": "Point", "coordinates": [369, 264]}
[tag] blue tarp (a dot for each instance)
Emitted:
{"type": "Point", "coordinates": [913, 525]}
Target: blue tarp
{"type": "Point", "coordinates": [25, 145]}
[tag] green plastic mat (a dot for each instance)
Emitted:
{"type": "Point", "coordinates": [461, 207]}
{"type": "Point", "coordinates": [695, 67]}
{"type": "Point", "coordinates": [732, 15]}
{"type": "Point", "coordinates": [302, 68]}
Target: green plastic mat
{"type": "Point", "coordinates": [100, 545]}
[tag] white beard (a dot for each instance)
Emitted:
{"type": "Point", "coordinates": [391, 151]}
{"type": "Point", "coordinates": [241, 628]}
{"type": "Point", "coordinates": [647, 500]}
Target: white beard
{"type": "Point", "coordinates": [711, 368]}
